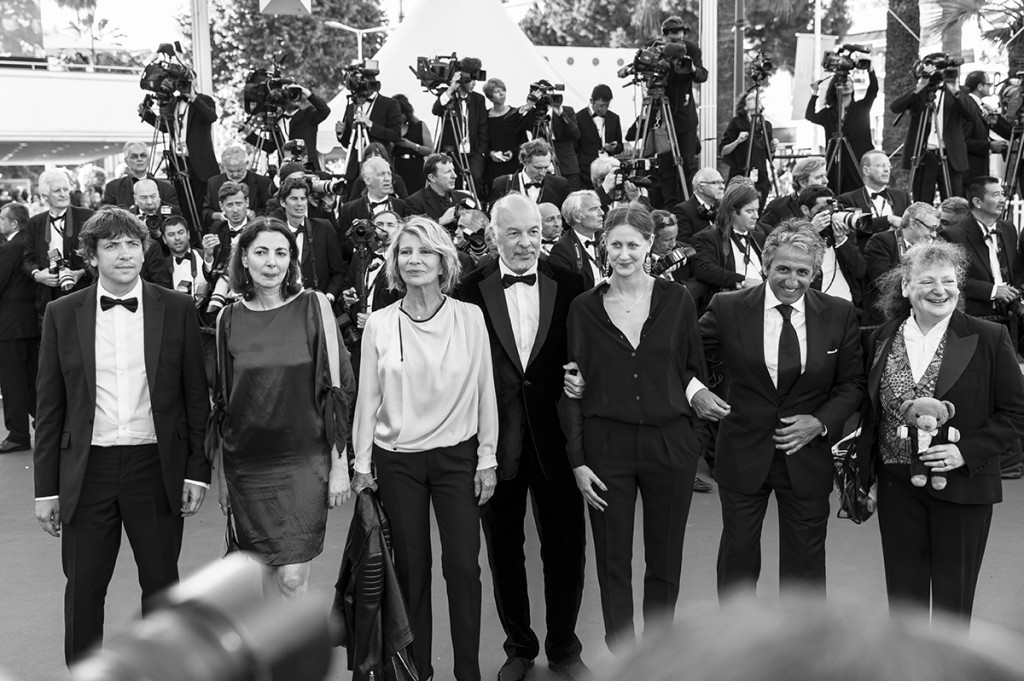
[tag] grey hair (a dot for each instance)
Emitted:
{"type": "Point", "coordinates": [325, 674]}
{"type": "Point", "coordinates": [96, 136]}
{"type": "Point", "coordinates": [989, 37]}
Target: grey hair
{"type": "Point", "coordinates": [48, 176]}
{"type": "Point", "coordinates": [511, 202]}
{"type": "Point", "coordinates": [891, 301]}
{"type": "Point", "coordinates": [916, 211]}
{"type": "Point", "coordinates": [135, 143]}
{"type": "Point", "coordinates": [233, 151]}
{"type": "Point", "coordinates": [366, 167]}
{"type": "Point", "coordinates": [702, 175]}
{"type": "Point", "coordinates": [573, 205]}
{"type": "Point", "coordinates": [600, 168]}
{"type": "Point", "coordinates": [796, 233]}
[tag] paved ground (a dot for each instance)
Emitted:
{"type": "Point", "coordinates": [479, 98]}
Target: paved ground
{"type": "Point", "coordinates": [31, 582]}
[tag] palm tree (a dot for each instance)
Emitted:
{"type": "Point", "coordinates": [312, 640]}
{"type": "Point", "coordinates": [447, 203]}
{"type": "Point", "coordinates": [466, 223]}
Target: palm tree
{"type": "Point", "coordinates": [1001, 22]}
{"type": "Point", "coordinates": [901, 50]}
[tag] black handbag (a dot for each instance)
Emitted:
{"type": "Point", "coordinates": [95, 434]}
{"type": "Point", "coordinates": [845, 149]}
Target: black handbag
{"type": "Point", "coordinates": [853, 498]}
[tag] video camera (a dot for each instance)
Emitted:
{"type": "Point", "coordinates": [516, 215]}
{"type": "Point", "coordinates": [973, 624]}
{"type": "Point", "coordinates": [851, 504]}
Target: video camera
{"type": "Point", "coordinates": [937, 67]}
{"type": "Point", "coordinates": [542, 94]}
{"type": "Point", "coordinates": [760, 69]}
{"type": "Point", "coordinates": [637, 171]}
{"type": "Point", "coordinates": [842, 61]}
{"type": "Point", "coordinates": [652, 63]}
{"type": "Point", "coordinates": [361, 78]}
{"type": "Point", "coordinates": [167, 76]}
{"type": "Point", "coordinates": [435, 73]}
{"type": "Point", "coordinates": [266, 93]}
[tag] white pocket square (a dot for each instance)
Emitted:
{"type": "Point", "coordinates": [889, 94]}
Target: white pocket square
{"type": "Point", "coordinates": [831, 352]}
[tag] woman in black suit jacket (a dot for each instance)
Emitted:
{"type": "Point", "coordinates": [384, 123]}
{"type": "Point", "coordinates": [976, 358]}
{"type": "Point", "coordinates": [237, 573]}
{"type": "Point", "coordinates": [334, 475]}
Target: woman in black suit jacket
{"type": "Point", "coordinates": [933, 540]}
{"type": "Point", "coordinates": [735, 231]}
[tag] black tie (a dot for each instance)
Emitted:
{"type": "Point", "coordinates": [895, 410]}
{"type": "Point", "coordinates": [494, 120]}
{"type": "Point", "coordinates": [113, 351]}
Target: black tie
{"type": "Point", "coordinates": [884, 194]}
{"type": "Point", "coordinates": [182, 259]}
{"type": "Point", "coordinates": [510, 279]}
{"type": "Point", "coordinates": [789, 352]}
{"type": "Point", "coordinates": [531, 185]}
{"type": "Point", "coordinates": [375, 204]}
{"type": "Point", "coordinates": [54, 219]}
{"type": "Point", "coordinates": [130, 304]}
{"type": "Point", "coordinates": [587, 243]}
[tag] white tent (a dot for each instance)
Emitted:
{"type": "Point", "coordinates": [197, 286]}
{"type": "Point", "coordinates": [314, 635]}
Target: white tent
{"type": "Point", "coordinates": [470, 28]}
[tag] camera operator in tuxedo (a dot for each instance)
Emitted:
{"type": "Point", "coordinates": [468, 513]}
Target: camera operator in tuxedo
{"type": "Point", "coordinates": [471, 108]}
{"type": "Point", "coordinates": [379, 116]}
{"type": "Point", "coordinates": [982, 120]}
{"type": "Point", "coordinates": [679, 91]}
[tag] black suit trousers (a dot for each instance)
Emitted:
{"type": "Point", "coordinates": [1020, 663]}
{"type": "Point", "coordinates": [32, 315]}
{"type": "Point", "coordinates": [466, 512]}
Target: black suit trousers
{"type": "Point", "coordinates": [803, 524]}
{"type": "Point", "coordinates": [409, 483]}
{"type": "Point", "coordinates": [19, 359]}
{"type": "Point", "coordinates": [123, 486]}
{"type": "Point", "coordinates": [632, 459]}
{"type": "Point", "coordinates": [929, 176]}
{"type": "Point", "coordinates": [558, 512]}
{"type": "Point", "coordinates": [932, 549]}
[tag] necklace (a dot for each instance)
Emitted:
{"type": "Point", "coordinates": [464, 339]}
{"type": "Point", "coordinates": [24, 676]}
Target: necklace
{"type": "Point", "coordinates": [629, 308]}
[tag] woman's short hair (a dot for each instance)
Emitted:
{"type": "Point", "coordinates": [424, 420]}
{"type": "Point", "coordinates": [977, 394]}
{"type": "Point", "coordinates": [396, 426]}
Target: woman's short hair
{"type": "Point", "coordinates": [796, 233]}
{"type": "Point", "coordinates": [492, 85]}
{"type": "Point", "coordinates": [663, 219]}
{"type": "Point", "coordinates": [806, 167]}
{"type": "Point", "coordinates": [110, 222]}
{"type": "Point", "coordinates": [433, 236]}
{"type": "Point", "coordinates": [376, 149]}
{"type": "Point", "coordinates": [891, 301]}
{"type": "Point", "coordinates": [633, 215]}
{"type": "Point", "coordinates": [290, 185]}
{"type": "Point", "coordinates": [238, 274]}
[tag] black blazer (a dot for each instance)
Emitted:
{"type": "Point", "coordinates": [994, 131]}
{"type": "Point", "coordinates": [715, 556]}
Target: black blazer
{"type": "Point", "coordinates": [476, 131]}
{"type": "Point", "coordinates": [978, 286]}
{"type": "Point", "coordinates": [980, 376]}
{"type": "Point", "coordinates": [553, 189]}
{"type": "Point", "coordinates": [954, 115]}
{"type": "Point", "coordinates": [322, 266]}
{"type": "Point", "coordinates": [691, 218]}
{"type": "Point", "coordinates": [976, 137]}
{"type": "Point", "coordinates": [566, 132]}
{"type": "Point", "coordinates": [831, 388]}
{"type": "Point", "coordinates": [860, 200]}
{"type": "Point", "coordinates": [527, 396]}
{"type": "Point", "coordinates": [199, 117]}
{"type": "Point", "coordinates": [851, 263]}
{"type": "Point", "coordinates": [121, 191]}
{"type": "Point", "coordinates": [303, 126]}
{"type": "Point", "coordinates": [779, 209]}
{"type": "Point", "coordinates": [679, 90]}
{"type": "Point", "coordinates": [428, 202]}
{"type": "Point", "coordinates": [568, 254]}
{"type": "Point", "coordinates": [66, 392]}
{"type": "Point", "coordinates": [260, 191]}
{"type": "Point", "coordinates": [385, 123]}
{"type": "Point", "coordinates": [37, 248]}
{"type": "Point", "coordinates": [881, 254]}
{"type": "Point", "coordinates": [359, 209]}
{"type": "Point", "coordinates": [18, 316]}
{"type": "Point", "coordinates": [590, 144]}
{"type": "Point", "coordinates": [715, 266]}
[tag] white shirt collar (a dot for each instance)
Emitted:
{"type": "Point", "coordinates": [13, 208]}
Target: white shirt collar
{"type": "Point", "coordinates": [701, 200]}
{"type": "Point", "coordinates": [584, 237]}
{"type": "Point", "coordinates": [771, 302]}
{"type": "Point", "coordinates": [136, 291]}
{"type": "Point", "coordinates": [504, 269]}
{"type": "Point", "coordinates": [938, 330]}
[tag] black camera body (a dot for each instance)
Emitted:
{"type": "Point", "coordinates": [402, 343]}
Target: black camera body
{"type": "Point", "coordinates": [266, 93]}
{"type": "Point", "coordinates": [636, 170]}
{"type": "Point", "coordinates": [937, 67]}
{"type": "Point", "coordinates": [654, 62]}
{"type": "Point", "coordinates": [361, 78]}
{"type": "Point", "coordinates": [841, 61]}
{"type": "Point", "coordinates": [436, 73]}
{"type": "Point", "coordinates": [542, 94]}
{"type": "Point", "coordinates": [760, 69]}
{"type": "Point", "coordinates": [364, 233]}
{"type": "Point", "coordinates": [167, 76]}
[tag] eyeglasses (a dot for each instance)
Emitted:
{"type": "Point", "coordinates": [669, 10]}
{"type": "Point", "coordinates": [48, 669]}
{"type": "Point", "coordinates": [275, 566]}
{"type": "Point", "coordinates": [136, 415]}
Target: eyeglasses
{"type": "Point", "coordinates": [931, 228]}
{"type": "Point", "coordinates": [713, 182]}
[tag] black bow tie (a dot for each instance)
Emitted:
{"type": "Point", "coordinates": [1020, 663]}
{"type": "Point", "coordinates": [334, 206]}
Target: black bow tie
{"type": "Point", "coordinates": [510, 279]}
{"type": "Point", "coordinates": [531, 185]}
{"type": "Point", "coordinates": [597, 115]}
{"type": "Point", "coordinates": [182, 259]}
{"type": "Point", "coordinates": [588, 243]}
{"type": "Point", "coordinates": [130, 304]}
{"type": "Point", "coordinates": [55, 219]}
{"type": "Point", "coordinates": [884, 194]}
{"type": "Point", "coordinates": [374, 204]}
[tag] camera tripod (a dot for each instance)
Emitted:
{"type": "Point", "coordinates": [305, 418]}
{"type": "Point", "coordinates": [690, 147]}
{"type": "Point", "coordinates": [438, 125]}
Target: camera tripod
{"type": "Point", "coordinates": [757, 123]}
{"type": "Point", "coordinates": [920, 146]}
{"type": "Point", "coordinates": [656, 106]}
{"type": "Point", "coordinates": [453, 117]}
{"type": "Point", "coordinates": [167, 134]}
{"type": "Point", "coordinates": [542, 130]}
{"type": "Point", "coordinates": [1011, 174]}
{"type": "Point", "coordinates": [265, 146]}
{"type": "Point", "coordinates": [838, 143]}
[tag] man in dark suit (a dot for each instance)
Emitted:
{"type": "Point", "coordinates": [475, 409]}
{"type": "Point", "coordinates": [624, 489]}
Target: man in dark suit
{"type": "Point", "coordinates": [121, 191]}
{"type": "Point", "coordinates": [535, 180]}
{"type": "Point", "coordinates": [303, 114]}
{"type": "Point", "coordinates": [884, 251]}
{"type": "Point", "coordinates": [320, 259]}
{"type": "Point", "coordinates": [439, 198]}
{"type": "Point", "coordinates": [726, 261]}
{"type": "Point", "coordinates": [843, 268]}
{"type": "Point", "coordinates": [978, 125]}
{"type": "Point", "coordinates": [787, 400]}
{"type": "Point", "coordinates": [379, 116]}
{"type": "Point", "coordinates": [51, 242]}
{"type": "Point", "coordinates": [121, 415]}
{"type": "Point", "coordinates": [236, 169]}
{"type": "Point", "coordinates": [564, 134]}
{"type": "Point", "coordinates": [470, 110]}
{"type": "Point", "coordinates": [807, 172]}
{"type": "Point", "coordinates": [377, 197]}
{"type": "Point", "coordinates": [19, 330]}
{"type": "Point", "coordinates": [944, 145]}
{"type": "Point", "coordinates": [876, 198]}
{"type": "Point", "coordinates": [679, 91]}
{"type": "Point", "coordinates": [578, 250]}
{"type": "Point", "coordinates": [525, 305]}
{"type": "Point", "coordinates": [600, 131]}
{"type": "Point", "coordinates": [697, 213]}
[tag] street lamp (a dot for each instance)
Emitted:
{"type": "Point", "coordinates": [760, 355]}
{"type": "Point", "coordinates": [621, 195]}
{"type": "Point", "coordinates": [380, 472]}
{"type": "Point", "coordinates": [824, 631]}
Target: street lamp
{"type": "Point", "coordinates": [359, 33]}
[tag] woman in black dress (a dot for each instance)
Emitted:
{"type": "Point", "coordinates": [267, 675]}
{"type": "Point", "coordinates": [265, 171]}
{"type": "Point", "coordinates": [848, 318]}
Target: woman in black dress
{"type": "Point", "coordinates": [505, 134]}
{"type": "Point", "coordinates": [736, 141]}
{"type": "Point", "coordinates": [415, 145]}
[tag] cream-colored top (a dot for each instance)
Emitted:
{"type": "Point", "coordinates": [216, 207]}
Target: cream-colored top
{"type": "Point", "coordinates": [427, 384]}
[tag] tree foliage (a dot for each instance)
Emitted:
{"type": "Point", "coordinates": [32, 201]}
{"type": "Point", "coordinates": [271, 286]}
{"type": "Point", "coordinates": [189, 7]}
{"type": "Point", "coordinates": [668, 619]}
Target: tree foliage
{"type": "Point", "coordinates": [901, 51]}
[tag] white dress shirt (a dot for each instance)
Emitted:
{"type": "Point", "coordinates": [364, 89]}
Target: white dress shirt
{"type": "Point", "coordinates": [300, 237]}
{"type": "Point", "coordinates": [921, 346]}
{"type": "Point", "coordinates": [523, 311]}
{"type": "Point", "coordinates": [773, 331]}
{"type": "Point", "coordinates": [599, 124]}
{"type": "Point", "coordinates": [532, 192]}
{"type": "Point", "coordinates": [880, 206]}
{"type": "Point", "coordinates": [833, 281]}
{"type": "Point", "coordinates": [935, 134]}
{"type": "Point", "coordinates": [990, 233]}
{"type": "Point", "coordinates": [749, 270]}
{"type": "Point", "coordinates": [56, 238]}
{"type": "Point", "coordinates": [590, 251]}
{"type": "Point", "coordinates": [189, 270]}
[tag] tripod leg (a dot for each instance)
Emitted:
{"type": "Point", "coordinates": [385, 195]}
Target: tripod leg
{"type": "Point", "coordinates": [677, 158]}
{"type": "Point", "coordinates": [769, 156]}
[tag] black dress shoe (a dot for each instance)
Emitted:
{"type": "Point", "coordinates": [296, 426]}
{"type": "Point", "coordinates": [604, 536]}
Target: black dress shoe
{"type": "Point", "coordinates": [700, 485]}
{"type": "Point", "coordinates": [10, 446]}
{"type": "Point", "coordinates": [575, 671]}
{"type": "Point", "coordinates": [514, 669]}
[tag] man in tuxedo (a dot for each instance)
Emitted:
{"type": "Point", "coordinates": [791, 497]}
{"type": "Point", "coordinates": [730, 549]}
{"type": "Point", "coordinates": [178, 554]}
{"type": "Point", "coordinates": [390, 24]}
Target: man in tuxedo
{"type": "Point", "coordinates": [149, 208]}
{"type": "Point", "coordinates": [944, 145]}
{"type": "Point", "coordinates": [120, 192]}
{"type": "Point", "coordinates": [304, 111]}
{"type": "Point", "coordinates": [786, 402]}
{"type": "Point", "coordinates": [379, 116]}
{"type": "Point", "coordinates": [535, 180]}
{"type": "Point", "coordinates": [952, 212]}
{"type": "Point", "coordinates": [884, 251]}
{"type": "Point", "coordinates": [876, 198]}
{"type": "Point", "coordinates": [600, 131]}
{"type": "Point", "coordinates": [121, 418]}
{"type": "Point", "coordinates": [698, 212]}
{"type": "Point", "coordinates": [842, 267]}
{"type": "Point", "coordinates": [679, 91]}
{"type": "Point", "coordinates": [184, 264]}
{"type": "Point", "coordinates": [551, 227]}
{"type": "Point", "coordinates": [19, 330]}
{"type": "Point", "coordinates": [320, 259]}
{"type": "Point", "coordinates": [51, 242]}
{"type": "Point", "coordinates": [978, 125]}
{"type": "Point", "coordinates": [565, 134]}
{"type": "Point", "coordinates": [377, 197]}
{"type": "Point", "coordinates": [439, 198]}
{"type": "Point", "coordinates": [470, 108]}
{"type": "Point", "coordinates": [807, 172]}
{"type": "Point", "coordinates": [233, 202]}
{"type": "Point", "coordinates": [235, 162]}
{"type": "Point", "coordinates": [525, 305]}
{"type": "Point", "coordinates": [578, 250]}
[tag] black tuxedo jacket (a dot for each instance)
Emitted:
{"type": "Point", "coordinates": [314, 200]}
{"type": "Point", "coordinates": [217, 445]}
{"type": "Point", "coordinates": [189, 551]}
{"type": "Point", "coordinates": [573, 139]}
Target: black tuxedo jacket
{"type": "Point", "coordinates": [881, 254]}
{"type": "Point", "coordinates": [359, 209]}
{"type": "Point", "coordinates": [859, 199]}
{"type": "Point", "coordinates": [679, 90]}
{"type": "Point", "coordinates": [980, 376]}
{"type": "Point", "coordinates": [527, 396]}
{"type": "Point", "coordinates": [568, 254]}
{"type": "Point", "coordinates": [66, 390]}
{"type": "Point", "coordinates": [779, 209]}
{"type": "Point", "coordinates": [566, 133]}
{"type": "Point", "coordinates": [476, 131]}
{"type": "Point", "coordinates": [322, 265]}
{"type": "Point", "coordinates": [715, 266]}
{"type": "Point", "coordinates": [590, 144]}
{"type": "Point", "coordinates": [18, 316]}
{"type": "Point", "coordinates": [954, 115]}
{"type": "Point", "coordinates": [303, 126]}
{"type": "Point", "coordinates": [385, 123]}
{"type": "Point", "coordinates": [691, 218]}
{"type": "Point", "coordinates": [260, 191]}
{"type": "Point", "coordinates": [978, 286]}
{"type": "Point", "coordinates": [37, 248]}
{"type": "Point", "coordinates": [428, 202]}
{"type": "Point", "coordinates": [121, 192]}
{"type": "Point", "coordinates": [199, 117]}
{"type": "Point", "coordinates": [976, 137]}
{"type": "Point", "coordinates": [851, 263]}
{"type": "Point", "coordinates": [553, 189]}
{"type": "Point", "coordinates": [830, 388]}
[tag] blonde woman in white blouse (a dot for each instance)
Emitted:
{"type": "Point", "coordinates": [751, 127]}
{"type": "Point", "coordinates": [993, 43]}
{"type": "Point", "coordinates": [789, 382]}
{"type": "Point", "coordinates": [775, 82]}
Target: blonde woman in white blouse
{"type": "Point", "coordinates": [427, 418]}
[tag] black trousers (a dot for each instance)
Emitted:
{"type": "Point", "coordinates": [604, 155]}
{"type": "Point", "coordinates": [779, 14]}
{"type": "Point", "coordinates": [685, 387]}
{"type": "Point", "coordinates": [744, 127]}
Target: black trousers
{"type": "Point", "coordinates": [929, 177]}
{"type": "Point", "coordinates": [409, 483]}
{"type": "Point", "coordinates": [932, 549]}
{"type": "Point", "coordinates": [671, 191]}
{"type": "Point", "coordinates": [659, 463]}
{"type": "Point", "coordinates": [19, 359]}
{"type": "Point", "coordinates": [558, 512]}
{"type": "Point", "coordinates": [123, 487]}
{"type": "Point", "coordinates": [803, 524]}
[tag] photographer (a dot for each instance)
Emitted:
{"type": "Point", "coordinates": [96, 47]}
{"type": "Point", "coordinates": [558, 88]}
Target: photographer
{"type": "Point", "coordinates": [469, 237]}
{"type": "Point", "coordinates": [600, 131]}
{"type": "Point", "coordinates": [235, 162]}
{"type": "Point", "coordinates": [982, 120]}
{"type": "Point", "coordinates": [301, 116]}
{"type": "Point", "coordinates": [736, 144]}
{"type": "Point", "coordinates": [807, 172]}
{"type": "Point", "coordinates": [613, 188]}
{"type": "Point", "coordinates": [120, 192]}
{"type": "Point", "coordinates": [543, 103]}
{"type": "Point", "coordinates": [379, 116]}
{"type": "Point", "coordinates": [321, 263]}
{"type": "Point", "coordinates": [233, 198]}
{"type": "Point", "coordinates": [535, 179]}
{"type": "Point", "coordinates": [843, 268]}
{"type": "Point", "coordinates": [833, 95]}
{"type": "Point", "coordinates": [471, 108]}
{"type": "Point", "coordinates": [149, 208]}
{"type": "Point", "coordinates": [377, 196]}
{"type": "Point", "coordinates": [683, 106]}
{"type": "Point", "coordinates": [885, 204]}
{"type": "Point", "coordinates": [184, 267]}
{"type": "Point", "coordinates": [439, 199]}
{"type": "Point", "coordinates": [941, 129]}
{"type": "Point", "coordinates": [698, 212]}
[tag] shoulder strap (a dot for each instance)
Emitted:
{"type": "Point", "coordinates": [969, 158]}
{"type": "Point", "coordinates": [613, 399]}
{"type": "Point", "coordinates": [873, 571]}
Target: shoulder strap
{"type": "Point", "coordinates": [335, 386]}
